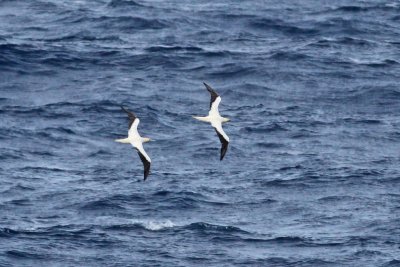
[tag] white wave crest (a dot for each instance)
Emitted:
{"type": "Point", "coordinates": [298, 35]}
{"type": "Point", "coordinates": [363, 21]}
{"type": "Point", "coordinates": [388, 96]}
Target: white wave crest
{"type": "Point", "coordinates": [157, 225]}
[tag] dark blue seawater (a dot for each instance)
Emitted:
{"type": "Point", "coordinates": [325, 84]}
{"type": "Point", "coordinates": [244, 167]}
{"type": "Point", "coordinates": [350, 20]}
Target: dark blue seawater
{"type": "Point", "coordinates": [312, 174]}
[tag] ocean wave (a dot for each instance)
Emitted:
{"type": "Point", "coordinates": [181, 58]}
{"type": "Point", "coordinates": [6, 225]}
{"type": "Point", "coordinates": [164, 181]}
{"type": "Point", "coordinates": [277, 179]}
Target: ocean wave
{"type": "Point", "coordinates": [339, 198]}
{"type": "Point", "coordinates": [83, 36]}
{"type": "Point", "coordinates": [291, 168]}
{"type": "Point", "coordinates": [392, 263]}
{"type": "Point", "coordinates": [396, 18]}
{"type": "Point", "coordinates": [101, 205]}
{"type": "Point", "coordinates": [43, 169]}
{"type": "Point", "coordinates": [288, 240]}
{"type": "Point", "coordinates": [337, 25]}
{"type": "Point", "coordinates": [26, 255]}
{"type": "Point", "coordinates": [11, 154]}
{"type": "Point", "coordinates": [123, 3]}
{"type": "Point", "coordinates": [351, 8]}
{"type": "Point", "coordinates": [101, 106]}
{"type": "Point", "coordinates": [17, 188]}
{"type": "Point", "coordinates": [67, 230]}
{"type": "Point", "coordinates": [289, 55]}
{"type": "Point", "coordinates": [270, 145]}
{"type": "Point", "coordinates": [19, 202]}
{"type": "Point", "coordinates": [345, 41]}
{"type": "Point", "coordinates": [150, 225]}
{"type": "Point", "coordinates": [274, 127]}
{"type": "Point", "coordinates": [185, 199]}
{"type": "Point", "coordinates": [301, 182]}
{"type": "Point", "coordinates": [361, 121]}
{"type": "Point", "coordinates": [357, 9]}
{"type": "Point", "coordinates": [368, 93]}
{"type": "Point", "coordinates": [164, 193]}
{"type": "Point", "coordinates": [20, 57]}
{"type": "Point", "coordinates": [213, 228]}
{"type": "Point", "coordinates": [280, 26]}
{"type": "Point", "coordinates": [60, 129]}
{"type": "Point", "coordinates": [216, 53]}
{"type": "Point", "coordinates": [173, 49]}
{"type": "Point", "coordinates": [283, 261]}
{"type": "Point", "coordinates": [117, 202]}
{"type": "Point", "coordinates": [232, 70]}
{"type": "Point", "coordinates": [368, 253]}
{"type": "Point", "coordinates": [99, 153]}
{"type": "Point", "coordinates": [7, 232]}
{"type": "Point", "coordinates": [124, 23]}
{"type": "Point", "coordinates": [43, 6]}
{"type": "Point", "coordinates": [374, 63]}
{"type": "Point", "coordinates": [255, 201]}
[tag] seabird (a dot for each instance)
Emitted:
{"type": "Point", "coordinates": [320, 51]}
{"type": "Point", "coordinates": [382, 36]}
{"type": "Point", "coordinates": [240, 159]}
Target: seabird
{"type": "Point", "coordinates": [216, 120]}
{"type": "Point", "coordinates": [137, 141]}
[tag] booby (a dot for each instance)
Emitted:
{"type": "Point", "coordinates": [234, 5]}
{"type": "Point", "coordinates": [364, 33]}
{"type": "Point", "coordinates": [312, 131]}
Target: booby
{"type": "Point", "coordinates": [216, 120]}
{"type": "Point", "coordinates": [137, 141]}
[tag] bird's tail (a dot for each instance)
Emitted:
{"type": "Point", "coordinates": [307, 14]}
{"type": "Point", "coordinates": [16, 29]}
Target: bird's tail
{"type": "Point", "coordinates": [146, 139]}
{"type": "Point", "coordinates": [225, 120]}
{"type": "Point", "coordinates": [205, 119]}
{"type": "Point", "coordinates": [124, 141]}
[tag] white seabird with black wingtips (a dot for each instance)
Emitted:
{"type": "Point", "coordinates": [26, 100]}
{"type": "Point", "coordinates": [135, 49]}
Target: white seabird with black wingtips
{"type": "Point", "coordinates": [216, 120]}
{"type": "Point", "coordinates": [137, 141]}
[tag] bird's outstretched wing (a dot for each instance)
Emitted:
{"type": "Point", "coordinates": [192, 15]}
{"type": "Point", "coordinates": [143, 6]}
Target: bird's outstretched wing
{"type": "Point", "coordinates": [131, 115]}
{"type": "Point", "coordinates": [224, 140]}
{"type": "Point", "coordinates": [146, 164]}
{"type": "Point", "coordinates": [213, 94]}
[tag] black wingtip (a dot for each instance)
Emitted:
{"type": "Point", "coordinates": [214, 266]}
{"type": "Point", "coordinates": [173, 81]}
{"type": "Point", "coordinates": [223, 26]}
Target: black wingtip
{"type": "Point", "coordinates": [208, 87]}
{"type": "Point", "coordinates": [222, 155]}
{"type": "Point", "coordinates": [214, 94]}
{"type": "Point", "coordinates": [124, 109]}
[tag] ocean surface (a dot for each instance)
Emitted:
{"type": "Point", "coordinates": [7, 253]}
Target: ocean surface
{"type": "Point", "coordinates": [312, 173]}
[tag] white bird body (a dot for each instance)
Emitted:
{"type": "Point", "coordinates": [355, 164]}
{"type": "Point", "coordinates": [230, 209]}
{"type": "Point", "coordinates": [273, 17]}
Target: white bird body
{"type": "Point", "coordinates": [137, 141]}
{"type": "Point", "coordinates": [216, 120]}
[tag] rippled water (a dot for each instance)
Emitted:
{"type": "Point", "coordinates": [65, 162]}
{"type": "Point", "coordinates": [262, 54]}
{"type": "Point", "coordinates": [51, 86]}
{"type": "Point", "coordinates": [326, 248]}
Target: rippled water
{"type": "Point", "coordinates": [311, 177]}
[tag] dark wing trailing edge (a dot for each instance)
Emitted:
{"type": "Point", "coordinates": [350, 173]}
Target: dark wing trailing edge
{"type": "Point", "coordinates": [131, 115]}
{"type": "Point", "coordinates": [146, 165]}
{"type": "Point", "coordinates": [224, 143]}
{"type": "Point", "coordinates": [214, 94]}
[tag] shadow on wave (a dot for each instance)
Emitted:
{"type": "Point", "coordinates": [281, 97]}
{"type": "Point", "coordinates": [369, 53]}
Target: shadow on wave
{"type": "Point", "coordinates": [282, 240]}
{"type": "Point", "coordinates": [112, 202]}
{"type": "Point", "coordinates": [84, 36]}
{"type": "Point", "coordinates": [359, 9]}
{"type": "Point", "coordinates": [173, 49]}
{"type": "Point", "coordinates": [123, 23]}
{"type": "Point", "coordinates": [70, 230]}
{"type": "Point", "coordinates": [213, 228]}
{"type": "Point", "coordinates": [280, 26]}
{"type": "Point", "coordinates": [183, 199]}
{"type": "Point", "coordinates": [20, 254]}
{"type": "Point", "coordinates": [124, 3]}
{"type": "Point", "coordinates": [344, 41]}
